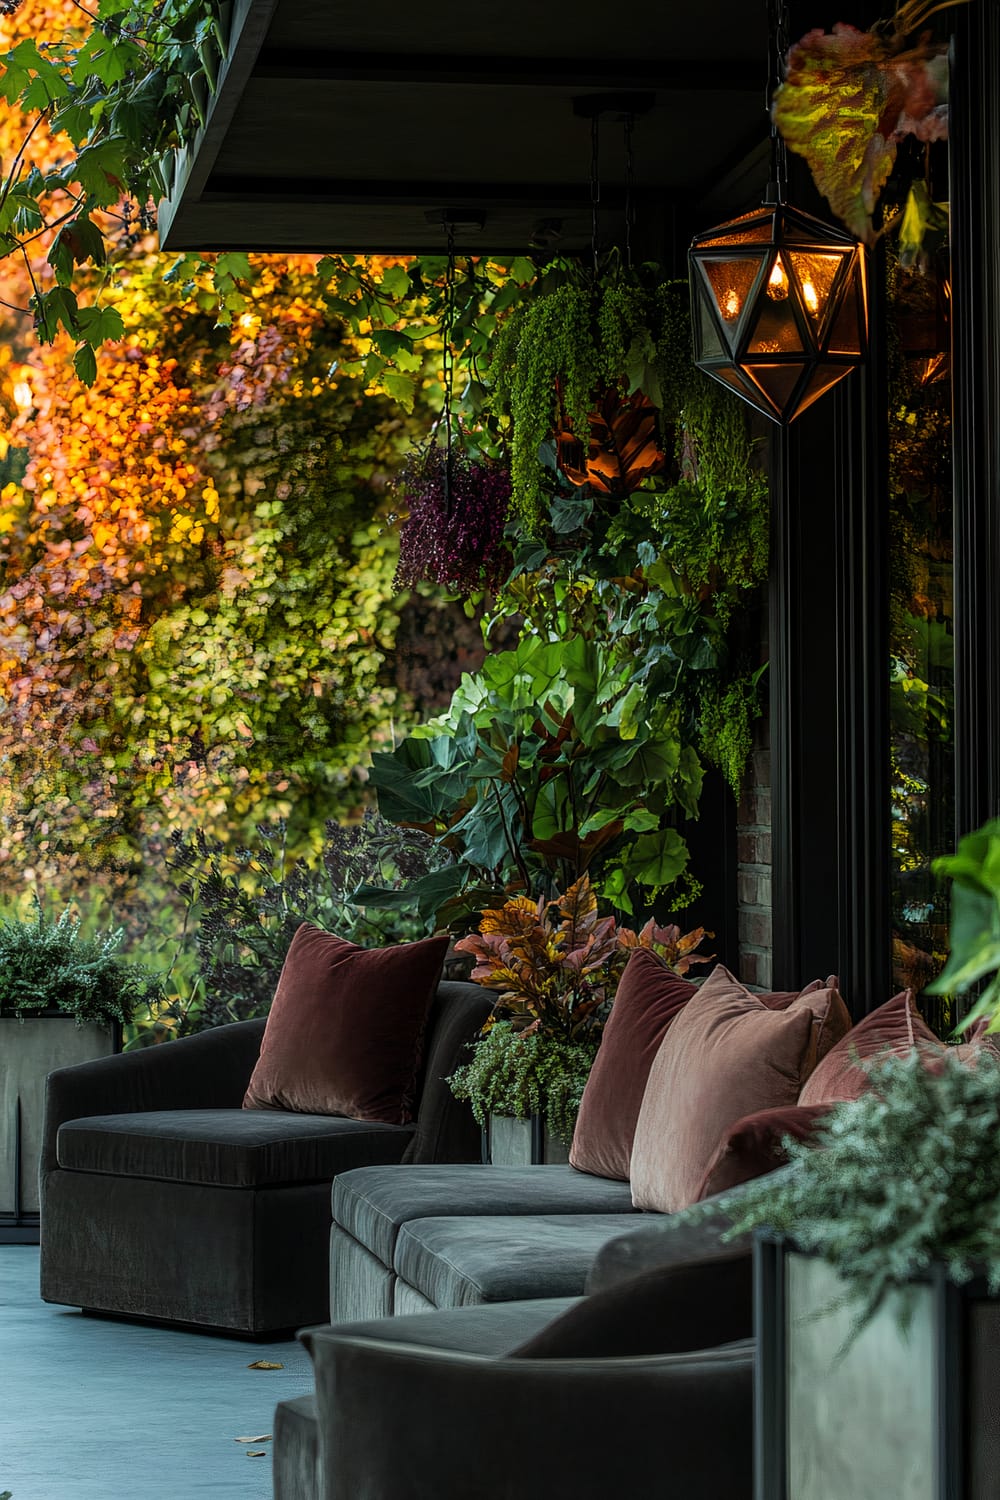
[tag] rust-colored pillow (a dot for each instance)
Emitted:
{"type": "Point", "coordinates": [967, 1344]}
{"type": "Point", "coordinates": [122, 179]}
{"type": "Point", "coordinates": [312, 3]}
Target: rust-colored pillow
{"type": "Point", "coordinates": [727, 1055]}
{"type": "Point", "coordinates": [755, 1145]}
{"type": "Point", "coordinates": [648, 998]}
{"type": "Point", "coordinates": [895, 1027]}
{"type": "Point", "coordinates": [344, 1032]}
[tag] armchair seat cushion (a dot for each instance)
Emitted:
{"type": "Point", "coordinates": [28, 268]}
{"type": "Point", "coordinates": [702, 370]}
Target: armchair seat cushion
{"type": "Point", "coordinates": [458, 1262]}
{"type": "Point", "coordinates": [234, 1148]}
{"type": "Point", "coordinates": [373, 1203]}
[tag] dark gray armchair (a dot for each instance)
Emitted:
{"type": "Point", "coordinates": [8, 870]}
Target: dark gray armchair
{"type": "Point", "coordinates": [643, 1390]}
{"type": "Point", "coordinates": [162, 1198]}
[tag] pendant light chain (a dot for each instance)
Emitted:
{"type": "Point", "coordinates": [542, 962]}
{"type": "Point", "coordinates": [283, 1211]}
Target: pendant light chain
{"type": "Point", "coordinates": [629, 126]}
{"type": "Point", "coordinates": [778, 45]}
{"type": "Point", "coordinates": [595, 187]}
{"type": "Point", "coordinates": [448, 362]}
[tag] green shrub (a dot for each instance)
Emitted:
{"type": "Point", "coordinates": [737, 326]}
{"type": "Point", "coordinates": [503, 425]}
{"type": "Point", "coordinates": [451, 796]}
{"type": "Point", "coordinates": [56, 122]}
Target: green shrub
{"type": "Point", "coordinates": [51, 965]}
{"type": "Point", "coordinates": [521, 1074]}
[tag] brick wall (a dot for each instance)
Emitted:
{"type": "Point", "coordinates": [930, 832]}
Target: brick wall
{"type": "Point", "coordinates": [753, 868]}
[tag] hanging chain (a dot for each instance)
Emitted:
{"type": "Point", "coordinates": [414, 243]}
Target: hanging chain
{"type": "Point", "coordinates": [778, 45]}
{"type": "Point", "coordinates": [629, 190]}
{"type": "Point", "coordinates": [448, 362]}
{"type": "Point", "coordinates": [595, 186]}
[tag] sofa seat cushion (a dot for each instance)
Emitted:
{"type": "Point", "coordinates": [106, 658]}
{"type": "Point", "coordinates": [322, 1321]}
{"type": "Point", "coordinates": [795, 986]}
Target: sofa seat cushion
{"type": "Point", "coordinates": [226, 1147]}
{"type": "Point", "coordinates": [373, 1203]}
{"type": "Point", "coordinates": [458, 1262]}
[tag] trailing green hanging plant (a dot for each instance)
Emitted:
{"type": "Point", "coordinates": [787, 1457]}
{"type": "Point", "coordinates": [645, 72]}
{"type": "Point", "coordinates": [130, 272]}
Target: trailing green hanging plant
{"type": "Point", "coordinates": [561, 350]}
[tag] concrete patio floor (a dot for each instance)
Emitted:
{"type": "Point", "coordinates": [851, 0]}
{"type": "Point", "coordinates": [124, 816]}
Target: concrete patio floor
{"type": "Point", "coordinates": [92, 1409]}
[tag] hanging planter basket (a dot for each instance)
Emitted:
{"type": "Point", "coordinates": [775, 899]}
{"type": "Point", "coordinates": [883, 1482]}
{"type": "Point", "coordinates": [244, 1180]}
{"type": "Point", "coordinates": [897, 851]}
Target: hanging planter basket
{"type": "Point", "coordinates": [453, 534]}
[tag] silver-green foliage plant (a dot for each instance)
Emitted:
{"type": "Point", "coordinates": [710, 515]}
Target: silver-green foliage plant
{"type": "Point", "coordinates": [975, 922]}
{"type": "Point", "coordinates": [906, 1175]}
{"type": "Point", "coordinates": [48, 964]}
{"type": "Point", "coordinates": [526, 1074]}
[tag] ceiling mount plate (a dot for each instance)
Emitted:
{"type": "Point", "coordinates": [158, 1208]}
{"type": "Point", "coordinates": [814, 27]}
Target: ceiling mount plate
{"type": "Point", "coordinates": [470, 220]}
{"type": "Point", "coordinates": [621, 105]}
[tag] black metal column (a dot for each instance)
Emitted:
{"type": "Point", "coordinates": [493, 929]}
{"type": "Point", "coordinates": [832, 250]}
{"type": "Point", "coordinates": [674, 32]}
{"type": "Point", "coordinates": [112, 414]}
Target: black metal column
{"type": "Point", "coordinates": [829, 692]}
{"type": "Point", "coordinates": [975, 201]}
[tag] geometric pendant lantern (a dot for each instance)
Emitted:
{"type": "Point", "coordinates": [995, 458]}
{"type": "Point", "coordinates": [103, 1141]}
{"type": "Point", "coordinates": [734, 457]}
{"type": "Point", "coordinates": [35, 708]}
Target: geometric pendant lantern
{"type": "Point", "coordinates": [779, 307]}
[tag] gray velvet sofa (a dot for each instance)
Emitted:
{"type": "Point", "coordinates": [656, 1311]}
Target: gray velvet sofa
{"type": "Point", "coordinates": [430, 1237]}
{"type": "Point", "coordinates": [162, 1198]}
{"type": "Point", "coordinates": [623, 1391]}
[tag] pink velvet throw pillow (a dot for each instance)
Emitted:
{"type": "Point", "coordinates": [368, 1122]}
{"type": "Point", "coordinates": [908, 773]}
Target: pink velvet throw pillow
{"type": "Point", "coordinates": [648, 999]}
{"type": "Point", "coordinates": [727, 1055]}
{"type": "Point", "coordinates": [344, 1033]}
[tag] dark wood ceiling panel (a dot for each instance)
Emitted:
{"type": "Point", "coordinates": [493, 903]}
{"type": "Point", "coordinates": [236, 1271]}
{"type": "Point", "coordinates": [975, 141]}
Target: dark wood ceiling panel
{"type": "Point", "coordinates": [354, 129]}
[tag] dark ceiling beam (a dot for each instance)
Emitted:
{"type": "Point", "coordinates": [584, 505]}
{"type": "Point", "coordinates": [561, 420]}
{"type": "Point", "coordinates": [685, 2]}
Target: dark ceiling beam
{"type": "Point", "coordinates": [723, 75]}
{"type": "Point", "coordinates": [433, 194]}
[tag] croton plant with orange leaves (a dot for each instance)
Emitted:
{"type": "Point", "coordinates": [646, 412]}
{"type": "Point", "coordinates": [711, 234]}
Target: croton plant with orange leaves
{"type": "Point", "coordinates": [556, 963]}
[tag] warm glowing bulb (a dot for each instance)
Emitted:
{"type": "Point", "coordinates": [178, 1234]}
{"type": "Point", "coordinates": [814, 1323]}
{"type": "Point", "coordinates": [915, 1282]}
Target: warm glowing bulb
{"type": "Point", "coordinates": [810, 297]}
{"type": "Point", "coordinates": [731, 304]}
{"type": "Point", "coordinates": [777, 285]}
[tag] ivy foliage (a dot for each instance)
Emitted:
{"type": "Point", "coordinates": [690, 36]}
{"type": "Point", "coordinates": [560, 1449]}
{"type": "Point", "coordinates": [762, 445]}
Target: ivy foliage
{"type": "Point", "coordinates": [514, 1074]}
{"type": "Point", "coordinates": [905, 1175]}
{"type": "Point", "coordinates": [196, 601]}
{"type": "Point", "coordinates": [48, 964]}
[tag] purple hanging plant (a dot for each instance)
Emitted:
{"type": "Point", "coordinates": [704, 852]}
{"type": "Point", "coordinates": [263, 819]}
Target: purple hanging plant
{"type": "Point", "coordinates": [457, 511]}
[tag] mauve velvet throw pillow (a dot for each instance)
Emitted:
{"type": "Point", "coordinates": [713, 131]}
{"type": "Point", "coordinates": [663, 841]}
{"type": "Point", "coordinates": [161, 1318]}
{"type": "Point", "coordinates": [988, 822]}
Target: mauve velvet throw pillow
{"type": "Point", "coordinates": [344, 1032]}
{"type": "Point", "coordinates": [895, 1027]}
{"type": "Point", "coordinates": [727, 1055]}
{"type": "Point", "coordinates": [648, 998]}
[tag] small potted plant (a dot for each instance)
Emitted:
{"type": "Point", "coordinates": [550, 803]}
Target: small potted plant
{"type": "Point", "coordinates": [64, 998]}
{"type": "Point", "coordinates": [555, 965]}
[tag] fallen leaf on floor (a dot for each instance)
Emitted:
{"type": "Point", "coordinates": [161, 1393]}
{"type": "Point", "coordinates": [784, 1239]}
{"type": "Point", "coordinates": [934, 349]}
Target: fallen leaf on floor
{"type": "Point", "coordinates": [264, 1364]}
{"type": "Point", "coordinates": [264, 1437]}
{"type": "Point", "coordinates": [256, 1453]}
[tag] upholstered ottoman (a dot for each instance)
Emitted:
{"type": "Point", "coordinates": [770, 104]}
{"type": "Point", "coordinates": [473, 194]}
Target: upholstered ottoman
{"type": "Point", "coordinates": [372, 1205]}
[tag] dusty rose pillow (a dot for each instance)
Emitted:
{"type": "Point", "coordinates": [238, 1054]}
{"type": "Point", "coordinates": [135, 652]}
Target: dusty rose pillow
{"type": "Point", "coordinates": [727, 1055]}
{"type": "Point", "coordinates": [831, 1024]}
{"type": "Point", "coordinates": [648, 998]}
{"type": "Point", "coordinates": [755, 1146]}
{"type": "Point", "coordinates": [344, 1033]}
{"type": "Point", "coordinates": [896, 1027]}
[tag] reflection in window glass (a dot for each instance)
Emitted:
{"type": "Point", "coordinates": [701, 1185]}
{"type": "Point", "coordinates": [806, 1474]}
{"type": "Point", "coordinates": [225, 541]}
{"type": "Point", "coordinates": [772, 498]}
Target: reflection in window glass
{"type": "Point", "coordinates": [921, 618]}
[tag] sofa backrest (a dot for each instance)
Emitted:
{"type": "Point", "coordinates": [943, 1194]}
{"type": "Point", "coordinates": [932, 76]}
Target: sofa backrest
{"type": "Point", "coordinates": [446, 1130]}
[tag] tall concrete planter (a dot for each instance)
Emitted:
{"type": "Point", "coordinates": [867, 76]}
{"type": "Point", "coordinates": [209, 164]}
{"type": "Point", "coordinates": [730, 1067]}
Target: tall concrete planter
{"type": "Point", "coordinates": [906, 1407]}
{"type": "Point", "coordinates": [29, 1051]}
{"type": "Point", "coordinates": [509, 1142]}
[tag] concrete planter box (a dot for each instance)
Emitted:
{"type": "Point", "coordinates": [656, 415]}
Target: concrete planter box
{"type": "Point", "coordinates": [908, 1411]}
{"type": "Point", "coordinates": [509, 1142]}
{"type": "Point", "coordinates": [30, 1050]}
